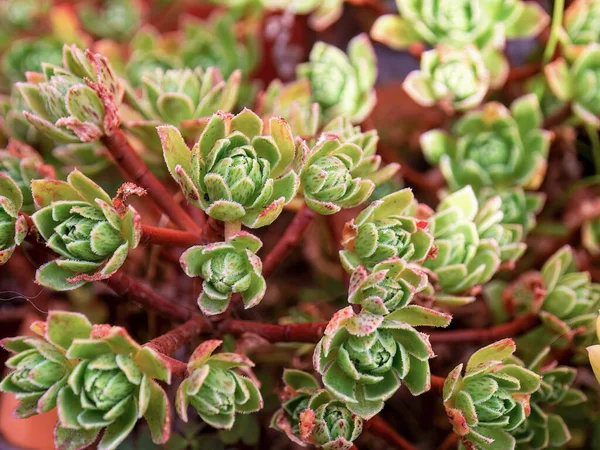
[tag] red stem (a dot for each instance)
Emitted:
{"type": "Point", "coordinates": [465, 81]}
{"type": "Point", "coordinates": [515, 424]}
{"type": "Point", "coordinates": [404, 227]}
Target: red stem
{"type": "Point", "coordinates": [124, 155]}
{"type": "Point", "coordinates": [437, 384]}
{"type": "Point", "coordinates": [381, 428]}
{"type": "Point", "coordinates": [509, 329]}
{"type": "Point", "coordinates": [131, 289]}
{"type": "Point", "coordinates": [171, 341]}
{"type": "Point", "coordinates": [290, 238]}
{"type": "Point", "coordinates": [295, 332]}
{"type": "Point", "coordinates": [170, 237]}
{"type": "Point", "coordinates": [563, 113]}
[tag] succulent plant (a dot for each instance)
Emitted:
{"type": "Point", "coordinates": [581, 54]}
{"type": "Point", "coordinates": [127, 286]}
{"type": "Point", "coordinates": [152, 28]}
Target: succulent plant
{"type": "Point", "coordinates": [493, 147]}
{"type": "Point", "coordinates": [323, 14]}
{"type": "Point", "coordinates": [544, 428]}
{"type": "Point", "coordinates": [13, 227]}
{"type": "Point", "coordinates": [23, 164]}
{"type": "Point", "coordinates": [180, 95]}
{"type": "Point", "coordinates": [594, 352]}
{"type": "Point", "coordinates": [27, 55]}
{"type": "Point", "coordinates": [581, 20]}
{"type": "Point", "coordinates": [508, 236]}
{"type": "Point", "coordinates": [21, 14]}
{"type": "Point", "coordinates": [215, 389]}
{"type": "Point", "coordinates": [463, 258]}
{"type": "Point", "coordinates": [491, 399]}
{"type": "Point", "coordinates": [112, 385]}
{"type": "Point", "coordinates": [577, 83]}
{"type": "Point", "coordinates": [114, 19]}
{"type": "Point", "coordinates": [12, 121]}
{"type": "Point", "coordinates": [329, 179]}
{"type": "Point", "coordinates": [89, 158]}
{"type": "Point", "coordinates": [227, 268]}
{"type": "Point", "coordinates": [590, 235]}
{"type": "Point", "coordinates": [342, 84]}
{"type": "Point", "coordinates": [68, 109]}
{"type": "Point", "coordinates": [78, 220]}
{"type": "Point", "coordinates": [457, 79]}
{"type": "Point", "coordinates": [484, 24]}
{"type": "Point", "coordinates": [519, 207]}
{"type": "Point", "coordinates": [364, 357]}
{"type": "Point", "coordinates": [235, 171]}
{"type": "Point", "coordinates": [387, 228]}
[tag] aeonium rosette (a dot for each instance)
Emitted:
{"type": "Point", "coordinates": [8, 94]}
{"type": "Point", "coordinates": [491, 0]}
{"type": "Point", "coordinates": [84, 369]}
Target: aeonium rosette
{"type": "Point", "coordinates": [365, 357]}
{"type": "Point", "coordinates": [78, 220]}
{"type": "Point", "coordinates": [236, 172]}
{"type": "Point", "coordinates": [228, 268]}
{"type": "Point", "coordinates": [387, 228]}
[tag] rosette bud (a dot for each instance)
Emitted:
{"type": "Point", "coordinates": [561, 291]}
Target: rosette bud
{"type": "Point", "coordinates": [387, 228]}
{"type": "Point", "coordinates": [214, 388]}
{"type": "Point", "coordinates": [227, 268]}
{"type": "Point", "coordinates": [78, 220]}
{"type": "Point", "coordinates": [491, 399]}
{"type": "Point", "coordinates": [13, 227]}
{"type": "Point", "coordinates": [236, 171]}
{"type": "Point", "coordinates": [76, 102]}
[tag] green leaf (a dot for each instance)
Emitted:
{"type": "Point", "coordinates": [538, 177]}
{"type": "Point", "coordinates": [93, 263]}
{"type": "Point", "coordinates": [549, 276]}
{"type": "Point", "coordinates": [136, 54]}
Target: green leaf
{"type": "Point", "coordinates": [47, 191]}
{"type": "Point", "coordinates": [175, 150]}
{"type": "Point", "coordinates": [394, 31]}
{"type": "Point", "coordinates": [157, 414]}
{"type": "Point", "coordinates": [498, 351]}
{"type": "Point", "coordinates": [416, 315]}
{"type": "Point", "coordinates": [117, 431]}
{"type": "Point", "coordinates": [87, 188]}
{"type": "Point", "coordinates": [298, 379]}
{"type": "Point", "coordinates": [68, 439]}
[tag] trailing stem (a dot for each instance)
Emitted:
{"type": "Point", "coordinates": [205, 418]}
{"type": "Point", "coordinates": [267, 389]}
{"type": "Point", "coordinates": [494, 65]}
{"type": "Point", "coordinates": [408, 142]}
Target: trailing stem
{"type": "Point", "coordinates": [295, 332]}
{"type": "Point", "coordinates": [381, 428]}
{"type": "Point", "coordinates": [170, 237]}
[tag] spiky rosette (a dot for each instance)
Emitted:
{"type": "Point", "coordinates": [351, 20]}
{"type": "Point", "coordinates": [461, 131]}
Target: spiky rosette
{"type": "Point", "coordinates": [364, 357]}
{"type": "Point", "coordinates": [13, 227]}
{"type": "Point", "coordinates": [455, 78]}
{"type": "Point", "coordinates": [78, 220]}
{"type": "Point", "coordinates": [76, 102]}
{"type": "Point", "coordinates": [236, 171]}
{"type": "Point", "coordinates": [329, 179]}
{"type": "Point", "coordinates": [342, 84]}
{"type": "Point", "coordinates": [215, 389]}
{"type": "Point", "coordinates": [180, 97]}
{"type": "Point", "coordinates": [227, 268]}
{"type": "Point", "coordinates": [387, 228]}
{"type": "Point", "coordinates": [463, 259]}
{"type": "Point", "coordinates": [493, 147]}
{"type": "Point", "coordinates": [491, 399]}
{"type": "Point", "coordinates": [544, 427]}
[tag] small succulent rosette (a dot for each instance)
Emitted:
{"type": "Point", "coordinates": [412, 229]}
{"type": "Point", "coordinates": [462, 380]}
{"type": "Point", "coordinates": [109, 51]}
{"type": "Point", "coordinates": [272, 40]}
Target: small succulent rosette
{"type": "Point", "coordinates": [456, 79]}
{"type": "Point", "coordinates": [78, 102]}
{"type": "Point", "coordinates": [580, 28]}
{"type": "Point", "coordinates": [370, 166]}
{"type": "Point", "coordinates": [78, 221]}
{"type": "Point", "coordinates": [115, 19]}
{"type": "Point", "coordinates": [180, 97]}
{"type": "Point", "coordinates": [329, 179]}
{"type": "Point", "coordinates": [576, 83]}
{"type": "Point", "coordinates": [594, 352]}
{"type": "Point", "coordinates": [214, 388]}
{"type": "Point", "coordinates": [23, 164]}
{"type": "Point", "coordinates": [227, 268]}
{"type": "Point", "coordinates": [590, 235]}
{"type": "Point", "coordinates": [493, 147]}
{"type": "Point", "coordinates": [519, 207]}
{"type": "Point", "coordinates": [292, 101]}
{"type": "Point", "coordinates": [485, 25]}
{"type": "Point", "coordinates": [27, 55]}
{"type": "Point", "coordinates": [236, 172]}
{"type": "Point", "coordinates": [112, 386]}
{"type": "Point", "coordinates": [508, 236]}
{"type": "Point", "coordinates": [322, 14]}
{"type": "Point", "coordinates": [463, 259]}
{"type": "Point", "coordinates": [544, 427]}
{"type": "Point", "coordinates": [13, 227]}
{"type": "Point", "coordinates": [387, 228]}
{"type": "Point", "coordinates": [390, 288]}
{"type": "Point", "coordinates": [342, 84]}
{"type": "Point", "coordinates": [365, 357]}
{"type": "Point", "coordinates": [491, 399]}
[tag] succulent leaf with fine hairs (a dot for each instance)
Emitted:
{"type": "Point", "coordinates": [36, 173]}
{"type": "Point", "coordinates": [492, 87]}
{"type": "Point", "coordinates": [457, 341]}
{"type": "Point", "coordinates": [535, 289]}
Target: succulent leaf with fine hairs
{"type": "Point", "coordinates": [387, 228]}
{"type": "Point", "coordinates": [227, 268]}
{"type": "Point", "coordinates": [76, 102]}
{"type": "Point", "coordinates": [13, 227]}
{"type": "Point", "coordinates": [236, 170]}
{"type": "Point", "coordinates": [365, 357]}
{"type": "Point", "coordinates": [342, 84]}
{"type": "Point", "coordinates": [491, 399]}
{"type": "Point", "coordinates": [78, 221]}
{"type": "Point", "coordinates": [215, 389]}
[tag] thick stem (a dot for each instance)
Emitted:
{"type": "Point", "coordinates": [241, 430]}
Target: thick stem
{"type": "Point", "coordinates": [124, 155]}
{"type": "Point", "coordinates": [232, 228]}
{"type": "Point", "coordinates": [170, 342]}
{"type": "Point", "coordinates": [131, 289]}
{"type": "Point", "coordinates": [292, 235]}
{"type": "Point", "coordinates": [509, 329]}
{"type": "Point", "coordinates": [295, 332]}
{"type": "Point", "coordinates": [169, 237]}
{"type": "Point", "coordinates": [381, 428]}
